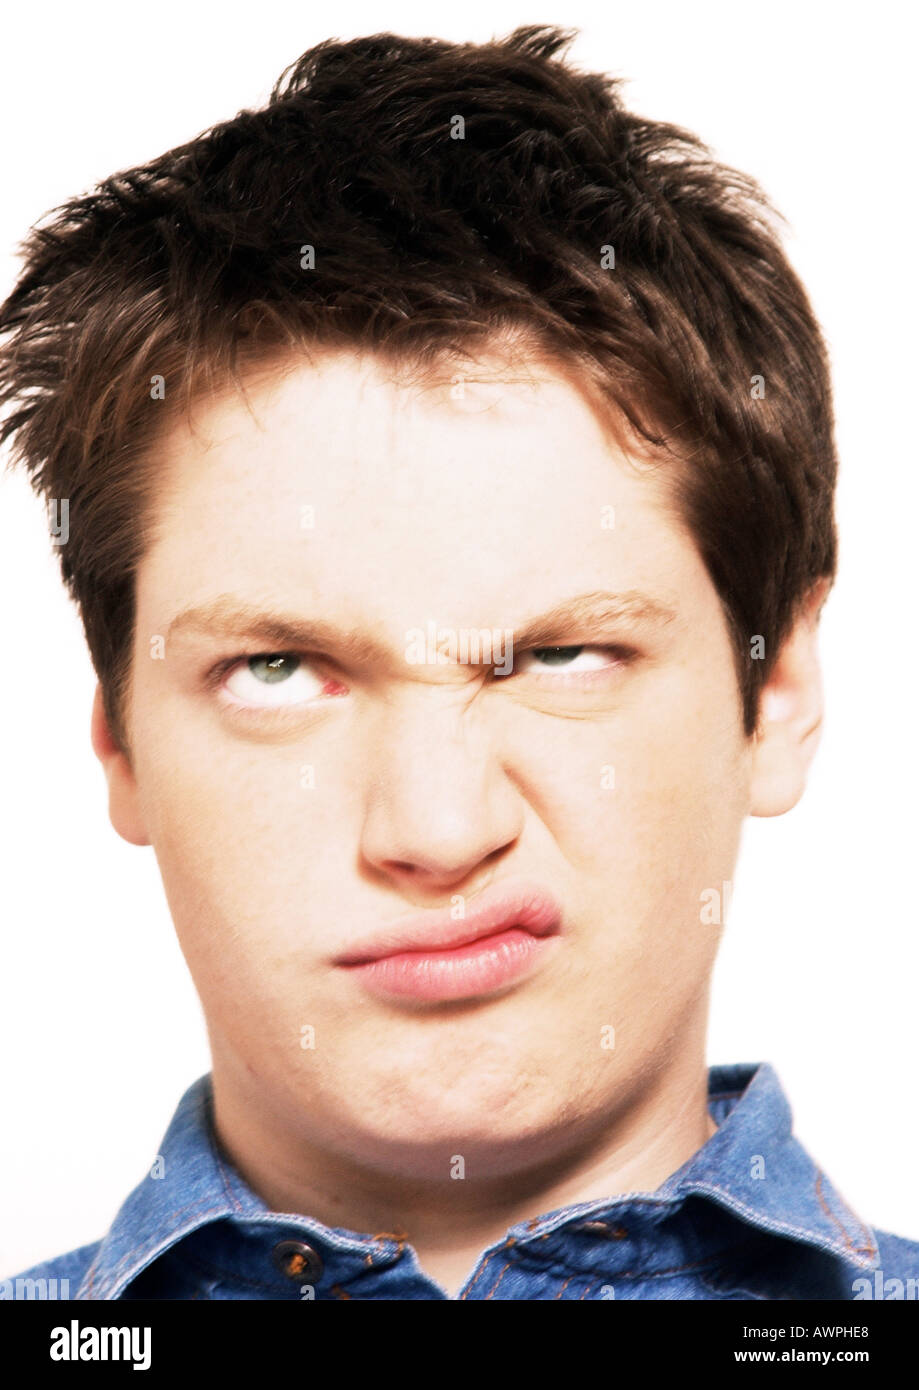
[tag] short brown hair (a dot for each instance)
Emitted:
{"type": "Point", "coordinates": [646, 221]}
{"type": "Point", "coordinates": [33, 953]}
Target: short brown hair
{"type": "Point", "coordinates": [449, 192]}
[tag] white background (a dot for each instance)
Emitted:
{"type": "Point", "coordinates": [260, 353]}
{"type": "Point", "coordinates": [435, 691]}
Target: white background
{"type": "Point", "coordinates": [100, 1028]}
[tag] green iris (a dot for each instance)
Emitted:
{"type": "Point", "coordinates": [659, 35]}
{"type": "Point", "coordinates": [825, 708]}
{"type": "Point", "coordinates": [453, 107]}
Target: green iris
{"type": "Point", "coordinates": [273, 668]}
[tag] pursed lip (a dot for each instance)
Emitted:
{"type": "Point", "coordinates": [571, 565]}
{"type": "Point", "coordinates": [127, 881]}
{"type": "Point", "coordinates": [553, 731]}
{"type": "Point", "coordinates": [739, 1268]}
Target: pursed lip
{"type": "Point", "coordinates": [497, 909]}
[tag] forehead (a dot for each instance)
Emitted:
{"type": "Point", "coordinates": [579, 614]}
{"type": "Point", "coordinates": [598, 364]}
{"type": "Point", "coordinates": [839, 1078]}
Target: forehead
{"type": "Point", "coordinates": [340, 481]}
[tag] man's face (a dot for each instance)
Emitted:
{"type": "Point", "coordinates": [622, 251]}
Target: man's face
{"type": "Point", "coordinates": [296, 810]}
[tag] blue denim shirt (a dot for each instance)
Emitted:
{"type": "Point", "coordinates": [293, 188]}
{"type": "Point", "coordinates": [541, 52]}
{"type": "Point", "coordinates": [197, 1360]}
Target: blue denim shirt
{"type": "Point", "coordinates": [748, 1216]}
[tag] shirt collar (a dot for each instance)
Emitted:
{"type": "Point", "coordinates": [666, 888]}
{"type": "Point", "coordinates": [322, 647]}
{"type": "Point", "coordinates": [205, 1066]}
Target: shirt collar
{"type": "Point", "coordinates": [755, 1167]}
{"type": "Point", "coordinates": [746, 1101]}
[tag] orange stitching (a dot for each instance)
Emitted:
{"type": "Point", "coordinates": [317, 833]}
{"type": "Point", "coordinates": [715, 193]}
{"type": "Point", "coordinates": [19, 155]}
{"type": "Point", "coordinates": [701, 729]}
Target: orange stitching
{"type": "Point", "coordinates": [399, 1236]}
{"type": "Point", "coordinates": [498, 1280]}
{"type": "Point", "coordinates": [124, 1263]}
{"type": "Point", "coordinates": [859, 1249]}
{"type": "Point", "coordinates": [225, 1178]}
{"type": "Point", "coordinates": [615, 1232]}
{"type": "Point", "coordinates": [340, 1292]}
{"type": "Point", "coordinates": [564, 1286]}
{"type": "Point", "coordinates": [387, 1235]}
{"type": "Point", "coordinates": [488, 1259]}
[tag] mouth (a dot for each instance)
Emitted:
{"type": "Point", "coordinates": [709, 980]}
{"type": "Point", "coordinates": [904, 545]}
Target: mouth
{"type": "Point", "coordinates": [437, 957]}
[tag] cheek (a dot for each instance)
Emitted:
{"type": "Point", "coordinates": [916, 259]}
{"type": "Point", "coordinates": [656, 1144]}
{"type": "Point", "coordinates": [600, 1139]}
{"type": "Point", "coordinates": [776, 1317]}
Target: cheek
{"type": "Point", "coordinates": [663, 831]}
{"type": "Point", "coordinates": [235, 832]}
{"type": "Point", "coordinates": [669, 763]}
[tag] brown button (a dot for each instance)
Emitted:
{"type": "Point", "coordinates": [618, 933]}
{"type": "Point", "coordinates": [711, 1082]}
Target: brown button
{"type": "Point", "coordinates": [297, 1260]}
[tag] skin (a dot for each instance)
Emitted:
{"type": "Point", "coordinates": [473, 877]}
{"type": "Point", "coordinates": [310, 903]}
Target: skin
{"type": "Point", "coordinates": [478, 507]}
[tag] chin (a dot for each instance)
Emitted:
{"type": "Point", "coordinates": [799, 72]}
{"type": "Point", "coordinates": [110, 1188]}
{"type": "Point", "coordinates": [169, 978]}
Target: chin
{"type": "Point", "coordinates": [484, 1113]}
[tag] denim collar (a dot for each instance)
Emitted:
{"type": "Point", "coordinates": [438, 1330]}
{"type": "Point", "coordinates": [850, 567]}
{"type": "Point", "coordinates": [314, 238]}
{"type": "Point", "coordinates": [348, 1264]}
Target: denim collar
{"type": "Point", "coordinates": [745, 1100]}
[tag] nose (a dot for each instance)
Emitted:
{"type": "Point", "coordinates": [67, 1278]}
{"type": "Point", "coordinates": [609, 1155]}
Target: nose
{"type": "Point", "coordinates": [440, 804]}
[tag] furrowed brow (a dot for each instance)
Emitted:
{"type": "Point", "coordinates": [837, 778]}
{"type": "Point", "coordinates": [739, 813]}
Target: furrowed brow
{"type": "Point", "coordinates": [592, 610]}
{"type": "Point", "coordinates": [225, 617]}
{"type": "Point", "coordinates": [228, 618]}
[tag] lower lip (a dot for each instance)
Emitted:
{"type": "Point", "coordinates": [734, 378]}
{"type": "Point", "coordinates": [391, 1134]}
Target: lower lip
{"type": "Point", "coordinates": [480, 967]}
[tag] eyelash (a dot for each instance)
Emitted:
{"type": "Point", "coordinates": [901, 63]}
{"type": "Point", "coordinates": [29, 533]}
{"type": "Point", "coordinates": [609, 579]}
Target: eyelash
{"type": "Point", "coordinates": [218, 673]}
{"type": "Point", "coordinates": [623, 656]}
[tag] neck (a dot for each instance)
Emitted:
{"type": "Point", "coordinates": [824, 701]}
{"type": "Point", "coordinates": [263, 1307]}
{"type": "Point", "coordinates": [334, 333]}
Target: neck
{"type": "Point", "coordinates": [644, 1136]}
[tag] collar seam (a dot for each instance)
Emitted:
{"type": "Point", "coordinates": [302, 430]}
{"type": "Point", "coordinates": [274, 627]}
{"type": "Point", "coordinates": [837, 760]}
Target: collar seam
{"type": "Point", "coordinates": [207, 1115]}
{"type": "Point", "coordinates": [781, 1228]}
{"type": "Point", "coordinates": [123, 1272]}
{"type": "Point", "coordinates": [871, 1247]}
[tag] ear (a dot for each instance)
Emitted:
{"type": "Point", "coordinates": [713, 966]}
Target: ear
{"type": "Point", "coordinates": [791, 715]}
{"type": "Point", "coordinates": [123, 802]}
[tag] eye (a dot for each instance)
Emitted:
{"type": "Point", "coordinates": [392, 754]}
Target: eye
{"type": "Point", "coordinates": [576, 661]}
{"type": "Point", "coordinates": [273, 679]}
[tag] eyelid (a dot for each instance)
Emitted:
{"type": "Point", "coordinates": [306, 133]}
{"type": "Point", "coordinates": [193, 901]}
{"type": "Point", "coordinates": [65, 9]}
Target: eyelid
{"type": "Point", "coordinates": [218, 673]}
{"type": "Point", "coordinates": [221, 669]}
{"type": "Point", "coordinates": [583, 646]}
{"type": "Point", "coordinates": [215, 678]}
{"type": "Point", "coordinates": [622, 652]}
{"type": "Point", "coordinates": [266, 716]}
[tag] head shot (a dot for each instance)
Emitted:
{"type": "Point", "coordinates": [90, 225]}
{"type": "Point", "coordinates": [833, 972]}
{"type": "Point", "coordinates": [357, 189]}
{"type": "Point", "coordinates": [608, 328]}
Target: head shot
{"type": "Point", "coordinates": [449, 466]}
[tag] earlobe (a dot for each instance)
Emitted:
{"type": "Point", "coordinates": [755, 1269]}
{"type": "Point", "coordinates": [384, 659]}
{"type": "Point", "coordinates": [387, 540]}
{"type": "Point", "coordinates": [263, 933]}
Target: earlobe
{"type": "Point", "coordinates": [124, 808]}
{"type": "Point", "coordinates": [791, 716]}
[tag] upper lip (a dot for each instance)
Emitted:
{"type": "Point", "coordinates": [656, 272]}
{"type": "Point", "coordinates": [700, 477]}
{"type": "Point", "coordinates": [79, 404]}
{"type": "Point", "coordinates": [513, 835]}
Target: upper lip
{"type": "Point", "coordinates": [494, 910]}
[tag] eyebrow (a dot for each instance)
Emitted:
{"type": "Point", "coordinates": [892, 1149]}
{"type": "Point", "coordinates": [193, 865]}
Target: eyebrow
{"type": "Point", "coordinates": [230, 617]}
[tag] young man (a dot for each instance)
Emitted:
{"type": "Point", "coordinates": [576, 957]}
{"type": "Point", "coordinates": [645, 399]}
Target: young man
{"type": "Point", "coordinates": [448, 466]}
